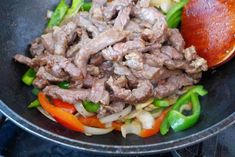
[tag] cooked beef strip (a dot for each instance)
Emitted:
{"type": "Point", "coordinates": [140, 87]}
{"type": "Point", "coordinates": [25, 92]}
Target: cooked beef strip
{"type": "Point", "coordinates": [103, 40]}
{"type": "Point", "coordinates": [93, 70]}
{"type": "Point", "coordinates": [37, 47]}
{"type": "Point", "coordinates": [176, 40]}
{"type": "Point", "coordinates": [172, 52]}
{"type": "Point", "coordinates": [40, 83]}
{"type": "Point", "coordinates": [122, 18]}
{"type": "Point", "coordinates": [143, 91]}
{"type": "Point", "coordinates": [44, 75]}
{"type": "Point", "coordinates": [115, 107]}
{"type": "Point", "coordinates": [23, 60]}
{"type": "Point", "coordinates": [67, 95]}
{"type": "Point", "coordinates": [134, 61]}
{"type": "Point", "coordinates": [96, 59]}
{"type": "Point", "coordinates": [171, 85]}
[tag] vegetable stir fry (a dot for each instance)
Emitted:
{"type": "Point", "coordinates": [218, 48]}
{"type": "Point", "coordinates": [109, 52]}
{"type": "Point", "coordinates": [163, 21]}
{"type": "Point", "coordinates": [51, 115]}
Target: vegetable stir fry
{"type": "Point", "coordinates": [117, 65]}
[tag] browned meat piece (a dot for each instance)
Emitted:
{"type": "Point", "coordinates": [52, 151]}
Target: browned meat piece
{"type": "Point", "coordinates": [134, 61]}
{"type": "Point", "coordinates": [75, 48]}
{"type": "Point", "coordinates": [93, 70]}
{"type": "Point", "coordinates": [122, 18]}
{"type": "Point", "coordinates": [57, 63]}
{"type": "Point", "coordinates": [171, 85]}
{"type": "Point", "coordinates": [37, 47]}
{"type": "Point", "coordinates": [190, 53]}
{"type": "Point", "coordinates": [121, 81]}
{"type": "Point", "coordinates": [23, 59]}
{"type": "Point", "coordinates": [88, 81]}
{"type": "Point", "coordinates": [172, 52]}
{"type": "Point", "coordinates": [105, 99]}
{"type": "Point", "coordinates": [176, 40]}
{"type": "Point", "coordinates": [56, 41]}
{"type": "Point", "coordinates": [67, 95]}
{"type": "Point", "coordinates": [122, 70]}
{"type": "Point", "coordinates": [148, 72]}
{"type": "Point", "coordinates": [117, 52]}
{"type": "Point", "coordinates": [144, 3]}
{"type": "Point", "coordinates": [103, 40]}
{"type": "Point", "coordinates": [115, 107]}
{"type": "Point", "coordinates": [156, 59]}
{"type": "Point", "coordinates": [96, 59]}
{"type": "Point", "coordinates": [42, 74]}
{"type": "Point", "coordinates": [112, 8]}
{"type": "Point", "coordinates": [40, 83]}
{"type": "Point", "coordinates": [133, 27]}
{"type": "Point", "coordinates": [84, 22]}
{"type": "Point", "coordinates": [97, 91]}
{"type": "Point", "coordinates": [143, 91]}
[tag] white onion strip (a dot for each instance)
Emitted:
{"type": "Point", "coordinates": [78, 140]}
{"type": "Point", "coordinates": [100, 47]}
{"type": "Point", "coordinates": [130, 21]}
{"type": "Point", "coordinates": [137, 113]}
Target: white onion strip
{"type": "Point", "coordinates": [40, 109]}
{"type": "Point", "coordinates": [143, 105]}
{"type": "Point", "coordinates": [82, 111]}
{"type": "Point", "coordinates": [146, 119]}
{"type": "Point", "coordinates": [133, 128]}
{"type": "Point", "coordinates": [96, 131]}
{"type": "Point", "coordinates": [116, 116]}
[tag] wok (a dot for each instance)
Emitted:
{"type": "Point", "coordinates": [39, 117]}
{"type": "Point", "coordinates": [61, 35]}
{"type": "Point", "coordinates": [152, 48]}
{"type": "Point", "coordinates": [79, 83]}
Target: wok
{"type": "Point", "coordinates": [21, 21]}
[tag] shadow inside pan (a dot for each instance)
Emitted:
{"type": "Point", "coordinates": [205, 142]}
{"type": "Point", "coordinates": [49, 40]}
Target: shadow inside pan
{"type": "Point", "coordinates": [23, 20]}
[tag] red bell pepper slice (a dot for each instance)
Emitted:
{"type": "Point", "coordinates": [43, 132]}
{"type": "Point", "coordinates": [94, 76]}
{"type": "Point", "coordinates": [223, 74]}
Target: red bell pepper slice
{"type": "Point", "coordinates": [64, 118]}
{"type": "Point", "coordinates": [64, 105]}
{"type": "Point", "coordinates": [91, 121]}
{"type": "Point", "coordinates": [156, 126]}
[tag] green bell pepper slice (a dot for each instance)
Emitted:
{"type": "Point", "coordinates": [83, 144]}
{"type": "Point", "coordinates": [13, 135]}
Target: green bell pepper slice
{"type": "Point", "coordinates": [160, 103]}
{"type": "Point", "coordinates": [184, 99]}
{"type": "Point", "coordinates": [73, 10]}
{"type": "Point", "coordinates": [64, 85]}
{"type": "Point", "coordinates": [91, 107]}
{"type": "Point", "coordinates": [180, 122]}
{"type": "Point", "coordinates": [29, 77]}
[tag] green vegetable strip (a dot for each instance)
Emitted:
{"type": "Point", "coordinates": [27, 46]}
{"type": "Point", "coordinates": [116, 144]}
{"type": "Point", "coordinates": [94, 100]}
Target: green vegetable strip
{"type": "Point", "coordinates": [160, 103]}
{"type": "Point", "coordinates": [175, 19]}
{"type": "Point", "coordinates": [58, 14]}
{"type": "Point", "coordinates": [35, 91]}
{"type": "Point", "coordinates": [175, 10]}
{"type": "Point", "coordinates": [76, 5]}
{"type": "Point", "coordinates": [34, 104]}
{"type": "Point", "coordinates": [64, 84]}
{"type": "Point", "coordinates": [90, 106]}
{"type": "Point", "coordinates": [182, 100]}
{"type": "Point", "coordinates": [29, 76]}
{"type": "Point", "coordinates": [180, 122]}
{"type": "Point", "coordinates": [86, 6]}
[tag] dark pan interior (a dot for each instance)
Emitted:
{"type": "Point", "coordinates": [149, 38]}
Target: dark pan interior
{"type": "Point", "coordinates": [21, 21]}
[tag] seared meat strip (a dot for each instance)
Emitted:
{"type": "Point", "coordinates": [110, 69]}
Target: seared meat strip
{"type": "Point", "coordinates": [103, 40]}
{"type": "Point", "coordinates": [67, 95]}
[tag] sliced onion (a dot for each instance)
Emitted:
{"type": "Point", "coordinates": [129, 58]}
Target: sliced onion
{"type": "Point", "coordinates": [96, 131]}
{"type": "Point", "coordinates": [143, 105]}
{"type": "Point", "coordinates": [157, 114]}
{"type": "Point", "coordinates": [45, 113]}
{"type": "Point", "coordinates": [49, 14]}
{"type": "Point", "coordinates": [186, 107]}
{"type": "Point", "coordinates": [131, 115]}
{"type": "Point", "coordinates": [108, 125]}
{"type": "Point", "coordinates": [81, 110]}
{"type": "Point", "coordinates": [132, 128]}
{"type": "Point", "coordinates": [116, 116]}
{"type": "Point", "coordinates": [146, 119]}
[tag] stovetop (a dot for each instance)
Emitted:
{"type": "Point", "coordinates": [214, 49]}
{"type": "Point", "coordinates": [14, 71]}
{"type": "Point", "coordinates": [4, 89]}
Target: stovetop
{"type": "Point", "coordinates": [15, 142]}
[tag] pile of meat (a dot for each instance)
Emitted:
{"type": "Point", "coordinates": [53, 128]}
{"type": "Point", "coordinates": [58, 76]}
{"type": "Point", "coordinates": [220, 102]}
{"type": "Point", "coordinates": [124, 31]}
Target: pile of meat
{"type": "Point", "coordinates": [120, 52]}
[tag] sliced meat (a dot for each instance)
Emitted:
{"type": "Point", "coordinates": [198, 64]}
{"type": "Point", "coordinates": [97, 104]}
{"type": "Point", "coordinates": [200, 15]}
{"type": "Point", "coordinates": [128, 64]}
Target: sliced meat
{"type": "Point", "coordinates": [148, 72]}
{"type": "Point", "coordinates": [121, 81]}
{"type": "Point", "coordinates": [115, 107]}
{"type": "Point", "coordinates": [40, 83]}
{"type": "Point", "coordinates": [171, 85]}
{"type": "Point", "coordinates": [122, 70]}
{"type": "Point", "coordinates": [134, 61]}
{"type": "Point", "coordinates": [96, 59]}
{"type": "Point", "coordinates": [42, 74]}
{"type": "Point", "coordinates": [97, 91]}
{"type": "Point", "coordinates": [23, 60]}
{"type": "Point", "coordinates": [103, 40]}
{"type": "Point", "coordinates": [133, 27]}
{"type": "Point", "coordinates": [117, 52]}
{"type": "Point", "coordinates": [93, 70]}
{"type": "Point", "coordinates": [144, 3]}
{"type": "Point", "coordinates": [122, 18]}
{"type": "Point", "coordinates": [48, 42]}
{"type": "Point", "coordinates": [67, 95]}
{"type": "Point", "coordinates": [88, 81]}
{"type": "Point", "coordinates": [172, 52]}
{"type": "Point", "coordinates": [143, 91]}
{"type": "Point", "coordinates": [176, 40]}
{"type": "Point", "coordinates": [37, 47]}
{"type": "Point", "coordinates": [85, 23]}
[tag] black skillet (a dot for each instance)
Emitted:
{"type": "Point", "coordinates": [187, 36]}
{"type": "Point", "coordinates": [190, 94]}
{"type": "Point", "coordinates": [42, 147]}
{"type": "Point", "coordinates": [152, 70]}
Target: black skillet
{"type": "Point", "coordinates": [21, 21]}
